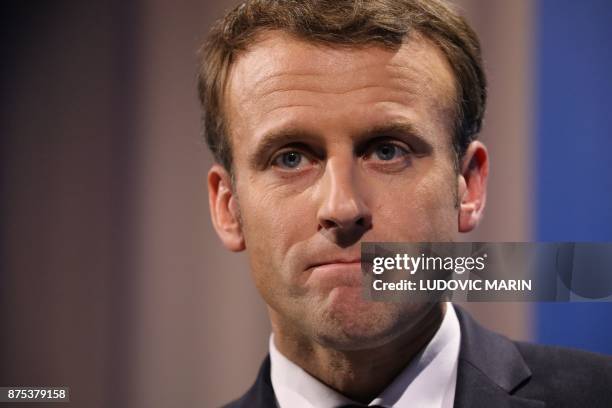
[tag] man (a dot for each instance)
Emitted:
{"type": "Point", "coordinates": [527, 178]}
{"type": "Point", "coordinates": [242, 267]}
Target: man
{"type": "Point", "coordinates": [338, 122]}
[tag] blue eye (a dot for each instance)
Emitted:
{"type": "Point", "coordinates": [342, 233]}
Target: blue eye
{"type": "Point", "coordinates": [387, 151]}
{"type": "Point", "coordinates": [290, 160]}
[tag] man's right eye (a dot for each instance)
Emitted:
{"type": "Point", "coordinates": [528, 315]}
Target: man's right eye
{"type": "Point", "coordinates": [290, 160]}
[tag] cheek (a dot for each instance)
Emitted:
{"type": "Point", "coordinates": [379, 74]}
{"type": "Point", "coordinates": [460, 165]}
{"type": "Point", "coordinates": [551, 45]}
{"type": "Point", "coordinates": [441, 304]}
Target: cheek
{"type": "Point", "coordinates": [275, 220]}
{"type": "Point", "coordinates": [272, 224]}
{"type": "Point", "coordinates": [417, 210]}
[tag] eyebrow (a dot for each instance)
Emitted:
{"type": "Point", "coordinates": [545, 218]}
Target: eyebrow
{"type": "Point", "coordinates": [402, 130]}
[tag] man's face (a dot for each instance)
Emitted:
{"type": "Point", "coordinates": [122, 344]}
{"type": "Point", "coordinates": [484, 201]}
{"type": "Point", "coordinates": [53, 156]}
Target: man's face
{"type": "Point", "coordinates": [333, 146]}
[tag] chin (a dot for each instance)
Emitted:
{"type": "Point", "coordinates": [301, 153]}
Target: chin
{"type": "Point", "coordinates": [349, 322]}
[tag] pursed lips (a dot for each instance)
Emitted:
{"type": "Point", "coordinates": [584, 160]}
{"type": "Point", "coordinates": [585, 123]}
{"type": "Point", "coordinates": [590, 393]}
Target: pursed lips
{"type": "Point", "coordinates": [338, 262]}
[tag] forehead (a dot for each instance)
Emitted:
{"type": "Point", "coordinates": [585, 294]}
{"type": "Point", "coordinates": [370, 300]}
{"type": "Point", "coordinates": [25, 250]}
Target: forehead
{"type": "Point", "coordinates": [281, 76]}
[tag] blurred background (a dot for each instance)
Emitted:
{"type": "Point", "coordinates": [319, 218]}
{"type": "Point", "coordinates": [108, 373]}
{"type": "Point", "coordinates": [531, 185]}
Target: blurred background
{"type": "Point", "coordinates": [112, 280]}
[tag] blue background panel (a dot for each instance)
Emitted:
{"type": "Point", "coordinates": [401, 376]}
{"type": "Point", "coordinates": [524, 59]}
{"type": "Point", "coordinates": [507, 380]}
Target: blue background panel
{"type": "Point", "coordinates": [574, 152]}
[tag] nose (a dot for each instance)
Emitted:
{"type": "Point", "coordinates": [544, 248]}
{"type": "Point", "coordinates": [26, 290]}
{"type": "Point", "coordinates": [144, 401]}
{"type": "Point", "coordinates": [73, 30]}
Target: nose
{"type": "Point", "coordinates": [343, 215]}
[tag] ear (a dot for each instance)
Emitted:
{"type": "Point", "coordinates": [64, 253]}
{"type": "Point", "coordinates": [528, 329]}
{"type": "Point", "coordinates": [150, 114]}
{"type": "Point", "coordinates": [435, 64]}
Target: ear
{"type": "Point", "coordinates": [224, 210]}
{"type": "Point", "coordinates": [473, 186]}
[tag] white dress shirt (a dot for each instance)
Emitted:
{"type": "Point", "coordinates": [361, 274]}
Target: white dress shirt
{"type": "Point", "coordinates": [428, 381]}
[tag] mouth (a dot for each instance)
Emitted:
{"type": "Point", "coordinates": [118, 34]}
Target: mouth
{"type": "Point", "coordinates": [334, 273]}
{"type": "Point", "coordinates": [333, 270]}
{"type": "Point", "coordinates": [331, 276]}
{"type": "Point", "coordinates": [342, 261]}
{"type": "Point", "coordinates": [336, 263]}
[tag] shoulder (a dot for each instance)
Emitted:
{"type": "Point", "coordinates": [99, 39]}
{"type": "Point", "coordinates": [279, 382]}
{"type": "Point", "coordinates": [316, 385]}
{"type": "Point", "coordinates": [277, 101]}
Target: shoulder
{"type": "Point", "coordinates": [567, 377]}
{"type": "Point", "coordinates": [555, 376]}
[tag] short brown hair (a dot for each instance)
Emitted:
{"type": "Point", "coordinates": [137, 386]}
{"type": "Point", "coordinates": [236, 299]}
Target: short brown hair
{"type": "Point", "coordinates": [343, 23]}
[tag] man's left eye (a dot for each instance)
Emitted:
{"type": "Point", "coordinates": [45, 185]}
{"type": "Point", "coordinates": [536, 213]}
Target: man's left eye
{"type": "Point", "coordinates": [388, 151]}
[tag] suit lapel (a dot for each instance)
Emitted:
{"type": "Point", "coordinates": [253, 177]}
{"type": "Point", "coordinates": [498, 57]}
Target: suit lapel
{"type": "Point", "coordinates": [261, 394]}
{"type": "Point", "coordinates": [490, 369]}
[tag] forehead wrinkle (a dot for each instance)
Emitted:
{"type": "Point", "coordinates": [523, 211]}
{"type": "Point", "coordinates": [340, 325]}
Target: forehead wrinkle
{"type": "Point", "coordinates": [400, 85]}
{"type": "Point", "coordinates": [286, 93]}
{"type": "Point", "coordinates": [402, 97]}
{"type": "Point", "coordinates": [334, 92]}
{"type": "Point", "coordinates": [393, 87]}
{"type": "Point", "coordinates": [335, 83]}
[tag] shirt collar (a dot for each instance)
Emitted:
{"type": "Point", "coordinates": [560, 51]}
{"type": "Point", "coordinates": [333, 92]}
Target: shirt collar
{"type": "Point", "coordinates": [428, 381]}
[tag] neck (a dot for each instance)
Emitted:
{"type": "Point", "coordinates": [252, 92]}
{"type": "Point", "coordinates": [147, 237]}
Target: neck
{"type": "Point", "coordinates": [364, 373]}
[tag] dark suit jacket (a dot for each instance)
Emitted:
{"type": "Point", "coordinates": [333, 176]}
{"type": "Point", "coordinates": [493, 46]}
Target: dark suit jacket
{"type": "Point", "coordinates": [495, 372]}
